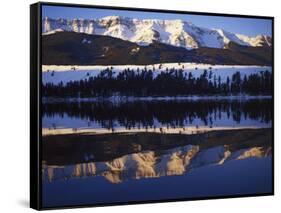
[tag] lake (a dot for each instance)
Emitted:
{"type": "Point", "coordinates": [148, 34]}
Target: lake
{"type": "Point", "coordinates": [97, 152]}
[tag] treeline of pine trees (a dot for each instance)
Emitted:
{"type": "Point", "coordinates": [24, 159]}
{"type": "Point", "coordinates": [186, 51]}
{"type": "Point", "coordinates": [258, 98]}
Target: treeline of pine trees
{"type": "Point", "coordinates": [172, 82]}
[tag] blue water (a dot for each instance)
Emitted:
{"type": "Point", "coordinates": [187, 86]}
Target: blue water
{"type": "Point", "coordinates": [241, 177]}
{"type": "Point", "coordinates": [203, 177]}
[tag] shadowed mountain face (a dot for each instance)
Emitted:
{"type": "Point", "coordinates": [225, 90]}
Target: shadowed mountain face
{"type": "Point", "coordinates": [118, 157]}
{"type": "Point", "coordinates": [70, 48]}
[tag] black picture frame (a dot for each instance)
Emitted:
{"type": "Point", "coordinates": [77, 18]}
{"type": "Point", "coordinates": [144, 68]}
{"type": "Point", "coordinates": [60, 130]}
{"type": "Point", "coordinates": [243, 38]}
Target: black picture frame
{"type": "Point", "coordinates": [36, 105]}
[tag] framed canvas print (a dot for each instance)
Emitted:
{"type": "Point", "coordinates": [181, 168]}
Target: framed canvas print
{"type": "Point", "coordinates": [133, 105]}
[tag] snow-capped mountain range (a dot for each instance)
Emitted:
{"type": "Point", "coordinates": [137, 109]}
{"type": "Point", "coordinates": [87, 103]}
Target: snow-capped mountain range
{"type": "Point", "coordinates": [174, 32]}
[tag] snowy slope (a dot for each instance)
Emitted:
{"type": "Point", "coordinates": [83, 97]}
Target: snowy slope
{"type": "Point", "coordinates": [56, 74]}
{"type": "Point", "coordinates": [258, 41]}
{"type": "Point", "coordinates": [174, 32]}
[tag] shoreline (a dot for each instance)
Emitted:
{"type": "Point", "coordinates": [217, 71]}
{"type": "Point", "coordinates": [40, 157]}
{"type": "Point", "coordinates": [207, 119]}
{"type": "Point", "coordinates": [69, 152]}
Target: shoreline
{"type": "Point", "coordinates": [157, 98]}
{"type": "Point", "coordinates": [161, 130]}
{"type": "Point", "coordinates": [190, 65]}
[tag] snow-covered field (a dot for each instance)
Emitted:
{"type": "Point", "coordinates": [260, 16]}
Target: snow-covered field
{"type": "Point", "coordinates": [56, 74]}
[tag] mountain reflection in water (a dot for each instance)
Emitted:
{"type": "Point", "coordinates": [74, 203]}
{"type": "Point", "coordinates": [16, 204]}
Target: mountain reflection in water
{"type": "Point", "coordinates": [123, 157]}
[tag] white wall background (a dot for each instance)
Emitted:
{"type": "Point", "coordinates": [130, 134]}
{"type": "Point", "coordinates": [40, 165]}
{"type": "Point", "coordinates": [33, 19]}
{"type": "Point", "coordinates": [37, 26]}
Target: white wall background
{"type": "Point", "coordinates": [14, 117]}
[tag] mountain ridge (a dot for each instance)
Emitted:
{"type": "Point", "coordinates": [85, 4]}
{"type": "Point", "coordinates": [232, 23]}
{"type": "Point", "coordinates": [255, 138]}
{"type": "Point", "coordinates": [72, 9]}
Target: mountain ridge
{"type": "Point", "coordinates": [144, 32]}
{"type": "Point", "coordinates": [70, 48]}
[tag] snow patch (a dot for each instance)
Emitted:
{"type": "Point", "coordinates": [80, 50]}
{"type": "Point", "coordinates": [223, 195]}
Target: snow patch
{"type": "Point", "coordinates": [86, 41]}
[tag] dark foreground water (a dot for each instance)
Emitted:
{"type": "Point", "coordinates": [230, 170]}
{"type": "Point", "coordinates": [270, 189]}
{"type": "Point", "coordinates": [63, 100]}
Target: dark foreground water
{"type": "Point", "coordinates": [81, 169]}
{"type": "Point", "coordinates": [154, 114]}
